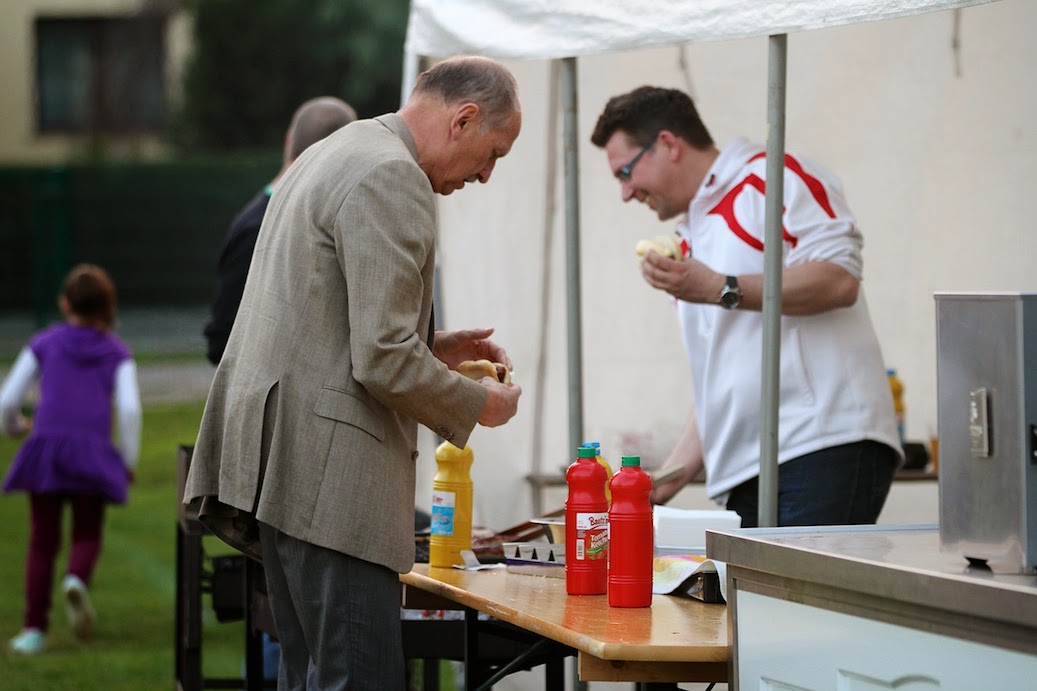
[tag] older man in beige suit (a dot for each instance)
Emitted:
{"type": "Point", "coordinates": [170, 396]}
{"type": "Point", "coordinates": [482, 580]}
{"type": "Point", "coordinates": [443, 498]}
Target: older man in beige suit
{"type": "Point", "coordinates": [307, 447]}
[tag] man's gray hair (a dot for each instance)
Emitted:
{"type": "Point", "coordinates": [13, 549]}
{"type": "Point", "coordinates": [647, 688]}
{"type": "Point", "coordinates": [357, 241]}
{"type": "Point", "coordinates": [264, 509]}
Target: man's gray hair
{"type": "Point", "coordinates": [472, 79]}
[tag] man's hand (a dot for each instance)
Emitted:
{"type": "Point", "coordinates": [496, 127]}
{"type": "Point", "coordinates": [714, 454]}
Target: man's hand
{"type": "Point", "coordinates": [501, 403]}
{"type": "Point", "coordinates": [454, 347]}
{"type": "Point", "coordinates": [689, 280]}
{"type": "Point", "coordinates": [686, 455]}
{"type": "Point", "coordinates": [806, 289]}
{"type": "Point", "coordinates": [663, 492]}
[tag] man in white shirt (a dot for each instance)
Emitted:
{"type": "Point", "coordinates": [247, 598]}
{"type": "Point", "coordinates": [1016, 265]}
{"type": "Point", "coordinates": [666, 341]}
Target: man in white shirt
{"type": "Point", "coordinates": [838, 444]}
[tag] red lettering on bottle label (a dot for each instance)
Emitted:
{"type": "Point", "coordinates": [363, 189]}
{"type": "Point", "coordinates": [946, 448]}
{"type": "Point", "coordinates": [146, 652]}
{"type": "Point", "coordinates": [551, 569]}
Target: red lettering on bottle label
{"type": "Point", "coordinates": [592, 536]}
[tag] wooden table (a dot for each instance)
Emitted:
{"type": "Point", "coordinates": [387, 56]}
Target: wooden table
{"type": "Point", "coordinates": [677, 639]}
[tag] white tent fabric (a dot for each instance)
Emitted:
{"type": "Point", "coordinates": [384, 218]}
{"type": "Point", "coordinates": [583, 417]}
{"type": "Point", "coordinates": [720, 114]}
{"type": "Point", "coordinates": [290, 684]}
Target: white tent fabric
{"type": "Point", "coordinates": [538, 30]}
{"type": "Point", "coordinates": [544, 29]}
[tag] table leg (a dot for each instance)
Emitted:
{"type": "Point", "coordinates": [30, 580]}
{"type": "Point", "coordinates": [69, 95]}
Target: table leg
{"type": "Point", "coordinates": [430, 674]}
{"type": "Point", "coordinates": [554, 674]}
{"type": "Point", "coordinates": [188, 625]}
{"type": "Point", "coordinates": [471, 648]}
{"type": "Point", "coordinates": [513, 665]}
{"type": "Point", "coordinates": [578, 685]}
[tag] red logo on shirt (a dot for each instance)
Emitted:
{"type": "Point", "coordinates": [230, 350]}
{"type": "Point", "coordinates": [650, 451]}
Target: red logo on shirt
{"type": "Point", "coordinates": [725, 208]}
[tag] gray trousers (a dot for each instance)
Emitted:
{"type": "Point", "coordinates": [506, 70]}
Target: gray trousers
{"type": "Point", "coordinates": [337, 617]}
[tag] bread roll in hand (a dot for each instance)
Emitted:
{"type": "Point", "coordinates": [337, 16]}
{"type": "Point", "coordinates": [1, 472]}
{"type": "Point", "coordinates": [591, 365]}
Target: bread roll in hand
{"type": "Point", "coordinates": [477, 369]}
{"type": "Point", "coordinates": [666, 245]}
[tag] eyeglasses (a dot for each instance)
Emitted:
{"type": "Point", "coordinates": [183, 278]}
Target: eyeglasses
{"type": "Point", "coordinates": [623, 174]}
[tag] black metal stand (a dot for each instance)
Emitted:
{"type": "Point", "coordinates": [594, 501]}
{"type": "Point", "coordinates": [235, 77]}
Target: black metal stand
{"type": "Point", "coordinates": [192, 581]}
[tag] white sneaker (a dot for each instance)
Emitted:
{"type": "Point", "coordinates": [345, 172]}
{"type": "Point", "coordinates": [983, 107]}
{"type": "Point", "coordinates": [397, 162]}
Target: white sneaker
{"type": "Point", "coordinates": [28, 642]}
{"type": "Point", "coordinates": [81, 615]}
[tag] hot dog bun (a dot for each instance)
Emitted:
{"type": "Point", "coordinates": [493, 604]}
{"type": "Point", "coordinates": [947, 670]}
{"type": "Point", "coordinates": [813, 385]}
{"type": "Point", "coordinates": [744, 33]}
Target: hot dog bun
{"type": "Point", "coordinates": [666, 245]}
{"type": "Point", "coordinates": [477, 369]}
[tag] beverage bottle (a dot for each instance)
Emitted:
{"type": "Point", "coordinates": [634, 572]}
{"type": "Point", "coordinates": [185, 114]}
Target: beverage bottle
{"type": "Point", "coordinates": [604, 464]}
{"type": "Point", "coordinates": [897, 388]}
{"type": "Point", "coordinates": [631, 544]}
{"type": "Point", "coordinates": [586, 526]}
{"type": "Point", "coordinates": [451, 505]}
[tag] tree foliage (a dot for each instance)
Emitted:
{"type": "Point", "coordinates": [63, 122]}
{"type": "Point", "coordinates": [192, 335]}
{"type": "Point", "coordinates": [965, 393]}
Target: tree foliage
{"type": "Point", "coordinates": [255, 61]}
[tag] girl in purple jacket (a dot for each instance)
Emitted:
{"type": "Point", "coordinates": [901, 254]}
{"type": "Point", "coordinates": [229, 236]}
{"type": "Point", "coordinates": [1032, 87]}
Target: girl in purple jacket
{"type": "Point", "coordinates": [84, 371]}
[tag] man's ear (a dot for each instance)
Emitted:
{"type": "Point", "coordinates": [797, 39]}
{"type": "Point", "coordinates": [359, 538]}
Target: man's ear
{"type": "Point", "coordinates": [671, 142]}
{"type": "Point", "coordinates": [465, 117]}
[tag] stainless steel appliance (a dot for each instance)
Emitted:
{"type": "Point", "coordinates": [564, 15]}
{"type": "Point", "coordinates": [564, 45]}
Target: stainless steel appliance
{"type": "Point", "coordinates": [986, 378]}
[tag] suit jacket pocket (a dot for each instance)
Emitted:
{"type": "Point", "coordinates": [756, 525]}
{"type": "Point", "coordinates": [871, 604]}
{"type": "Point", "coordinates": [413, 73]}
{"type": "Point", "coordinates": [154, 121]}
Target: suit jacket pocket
{"type": "Point", "coordinates": [343, 407]}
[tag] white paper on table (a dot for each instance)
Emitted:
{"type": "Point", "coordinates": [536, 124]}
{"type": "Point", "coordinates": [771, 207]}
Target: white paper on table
{"type": "Point", "coordinates": [685, 529]}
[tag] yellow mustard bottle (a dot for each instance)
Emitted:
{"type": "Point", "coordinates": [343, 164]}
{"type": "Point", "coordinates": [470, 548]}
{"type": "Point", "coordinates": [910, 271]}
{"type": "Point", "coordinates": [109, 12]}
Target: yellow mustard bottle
{"type": "Point", "coordinates": [451, 505]}
{"type": "Point", "coordinates": [896, 387]}
{"type": "Point", "coordinates": [604, 464]}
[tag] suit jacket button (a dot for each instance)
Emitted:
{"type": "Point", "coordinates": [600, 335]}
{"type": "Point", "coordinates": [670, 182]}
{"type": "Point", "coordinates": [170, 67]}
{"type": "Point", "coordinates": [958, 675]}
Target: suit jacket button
{"type": "Point", "coordinates": [414, 456]}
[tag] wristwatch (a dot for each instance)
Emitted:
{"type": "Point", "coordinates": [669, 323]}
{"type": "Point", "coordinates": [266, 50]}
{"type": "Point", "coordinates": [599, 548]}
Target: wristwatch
{"type": "Point", "coordinates": [731, 294]}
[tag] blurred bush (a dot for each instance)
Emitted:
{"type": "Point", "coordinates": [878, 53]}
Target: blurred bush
{"type": "Point", "coordinates": [255, 61]}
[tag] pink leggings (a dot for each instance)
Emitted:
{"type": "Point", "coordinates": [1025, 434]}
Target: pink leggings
{"type": "Point", "coordinates": [44, 542]}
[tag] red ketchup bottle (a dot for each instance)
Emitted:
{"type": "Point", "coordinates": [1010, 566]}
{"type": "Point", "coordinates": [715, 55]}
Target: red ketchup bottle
{"type": "Point", "coordinates": [586, 526]}
{"type": "Point", "coordinates": [631, 543]}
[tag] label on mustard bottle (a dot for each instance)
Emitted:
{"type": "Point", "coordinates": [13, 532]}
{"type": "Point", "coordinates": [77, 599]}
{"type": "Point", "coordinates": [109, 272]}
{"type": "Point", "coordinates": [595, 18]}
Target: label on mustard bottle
{"type": "Point", "coordinates": [443, 512]}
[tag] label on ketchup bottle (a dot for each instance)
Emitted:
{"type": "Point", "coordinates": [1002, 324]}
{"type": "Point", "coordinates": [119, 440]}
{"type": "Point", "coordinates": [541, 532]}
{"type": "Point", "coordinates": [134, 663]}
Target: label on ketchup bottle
{"type": "Point", "coordinates": [592, 535]}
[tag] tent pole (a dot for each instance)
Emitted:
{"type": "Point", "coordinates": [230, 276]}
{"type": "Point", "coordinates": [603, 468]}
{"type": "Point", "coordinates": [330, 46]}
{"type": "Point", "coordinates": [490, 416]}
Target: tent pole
{"type": "Point", "coordinates": [772, 266]}
{"type": "Point", "coordinates": [570, 134]}
{"type": "Point", "coordinates": [411, 65]}
{"type": "Point", "coordinates": [572, 253]}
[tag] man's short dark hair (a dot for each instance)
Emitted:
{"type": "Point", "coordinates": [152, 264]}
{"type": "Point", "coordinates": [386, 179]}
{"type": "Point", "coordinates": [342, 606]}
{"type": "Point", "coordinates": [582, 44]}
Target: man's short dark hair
{"type": "Point", "coordinates": [646, 111]}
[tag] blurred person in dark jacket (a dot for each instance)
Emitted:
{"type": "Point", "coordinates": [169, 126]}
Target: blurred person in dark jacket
{"type": "Point", "coordinates": [313, 121]}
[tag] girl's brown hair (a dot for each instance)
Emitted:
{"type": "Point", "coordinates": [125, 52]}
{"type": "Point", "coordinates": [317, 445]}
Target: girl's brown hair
{"type": "Point", "coordinates": [90, 294]}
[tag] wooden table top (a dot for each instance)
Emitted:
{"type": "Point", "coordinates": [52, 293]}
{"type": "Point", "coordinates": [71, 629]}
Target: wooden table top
{"type": "Point", "coordinates": [673, 629]}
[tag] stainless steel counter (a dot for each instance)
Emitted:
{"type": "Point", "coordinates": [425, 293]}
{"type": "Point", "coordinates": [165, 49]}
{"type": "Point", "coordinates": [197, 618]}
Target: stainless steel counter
{"type": "Point", "coordinates": [891, 573]}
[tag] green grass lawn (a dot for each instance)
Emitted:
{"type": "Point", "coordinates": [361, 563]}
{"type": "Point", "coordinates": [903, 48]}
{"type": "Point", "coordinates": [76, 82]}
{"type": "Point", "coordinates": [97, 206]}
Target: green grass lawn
{"type": "Point", "coordinates": [133, 588]}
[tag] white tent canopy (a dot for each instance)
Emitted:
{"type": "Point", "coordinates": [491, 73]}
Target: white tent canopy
{"type": "Point", "coordinates": [537, 29]}
{"type": "Point", "coordinates": [546, 29]}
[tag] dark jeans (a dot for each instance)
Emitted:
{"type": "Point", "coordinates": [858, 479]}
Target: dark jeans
{"type": "Point", "coordinates": [841, 485]}
{"type": "Point", "coordinates": [44, 541]}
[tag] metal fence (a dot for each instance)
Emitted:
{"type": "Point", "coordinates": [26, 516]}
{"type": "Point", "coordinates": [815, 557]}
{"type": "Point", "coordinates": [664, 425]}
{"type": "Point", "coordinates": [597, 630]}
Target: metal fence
{"type": "Point", "coordinates": [156, 227]}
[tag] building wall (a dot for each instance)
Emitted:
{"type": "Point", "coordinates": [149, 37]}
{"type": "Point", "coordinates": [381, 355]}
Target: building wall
{"type": "Point", "coordinates": [20, 142]}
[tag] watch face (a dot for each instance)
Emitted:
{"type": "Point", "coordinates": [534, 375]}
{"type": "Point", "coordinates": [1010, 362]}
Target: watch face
{"type": "Point", "coordinates": [731, 296]}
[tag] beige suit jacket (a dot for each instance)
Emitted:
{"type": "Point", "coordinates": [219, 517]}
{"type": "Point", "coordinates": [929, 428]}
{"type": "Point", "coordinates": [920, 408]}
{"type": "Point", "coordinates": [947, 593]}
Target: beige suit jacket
{"type": "Point", "coordinates": [311, 422]}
